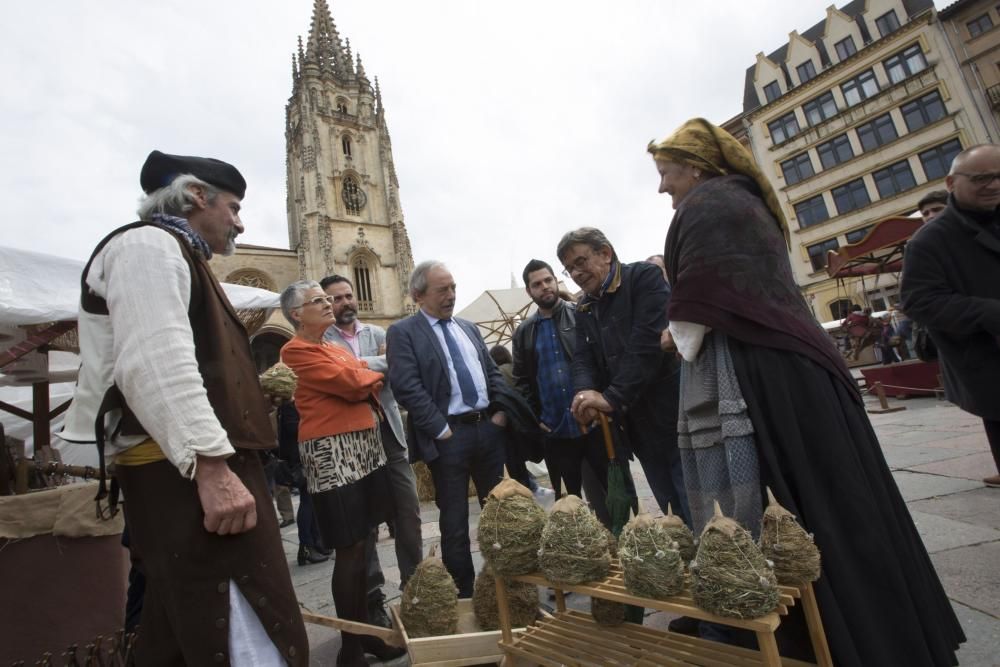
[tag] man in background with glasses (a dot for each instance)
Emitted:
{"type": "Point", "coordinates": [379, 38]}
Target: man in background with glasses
{"type": "Point", "coordinates": [951, 285]}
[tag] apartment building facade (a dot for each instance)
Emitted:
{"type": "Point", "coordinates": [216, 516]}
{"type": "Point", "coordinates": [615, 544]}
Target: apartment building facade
{"type": "Point", "coordinates": [973, 30]}
{"type": "Point", "coordinates": [853, 121]}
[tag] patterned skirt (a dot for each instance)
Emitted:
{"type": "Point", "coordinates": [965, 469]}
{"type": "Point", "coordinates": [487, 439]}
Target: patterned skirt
{"type": "Point", "coordinates": [348, 482]}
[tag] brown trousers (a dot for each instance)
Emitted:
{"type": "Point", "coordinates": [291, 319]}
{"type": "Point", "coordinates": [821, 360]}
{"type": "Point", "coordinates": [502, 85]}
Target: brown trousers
{"type": "Point", "coordinates": [185, 614]}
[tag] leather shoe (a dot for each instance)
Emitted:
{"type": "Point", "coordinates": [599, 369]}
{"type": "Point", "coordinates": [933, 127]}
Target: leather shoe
{"type": "Point", "coordinates": [307, 556]}
{"type": "Point", "coordinates": [285, 523]}
{"type": "Point", "coordinates": [684, 625]}
{"type": "Point", "coordinates": [993, 481]}
{"type": "Point", "coordinates": [376, 609]}
{"type": "Point", "coordinates": [381, 650]}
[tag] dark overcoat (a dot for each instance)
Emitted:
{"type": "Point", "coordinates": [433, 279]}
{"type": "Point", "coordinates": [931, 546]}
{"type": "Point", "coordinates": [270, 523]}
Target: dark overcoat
{"type": "Point", "coordinates": [951, 285]}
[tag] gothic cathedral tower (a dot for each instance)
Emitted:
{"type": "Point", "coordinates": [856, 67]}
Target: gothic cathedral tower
{"type": "Point", "coordinates": [344, 214]}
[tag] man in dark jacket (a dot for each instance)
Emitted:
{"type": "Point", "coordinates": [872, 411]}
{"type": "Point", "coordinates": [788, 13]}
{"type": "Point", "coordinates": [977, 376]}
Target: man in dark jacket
{"type": "Point", "coordinates": [543, 355]}
{"type": "Point", "coordinates": [619, 368]}
{"type": "Point", "coordinates": [951, 285]}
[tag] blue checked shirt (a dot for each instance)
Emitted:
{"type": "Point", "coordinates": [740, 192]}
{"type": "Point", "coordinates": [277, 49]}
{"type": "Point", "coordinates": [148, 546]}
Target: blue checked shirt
{"type": "Point", "coordinates": [555, 381]}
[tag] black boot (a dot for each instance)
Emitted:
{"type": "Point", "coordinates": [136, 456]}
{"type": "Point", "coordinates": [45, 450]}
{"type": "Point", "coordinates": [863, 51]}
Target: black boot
{"type": "Point", "coordinates": [380, 649]}
{"type": "Point", "coordinates": [376, 609]}
{"type": "Point", "coordinates": [307, 556]}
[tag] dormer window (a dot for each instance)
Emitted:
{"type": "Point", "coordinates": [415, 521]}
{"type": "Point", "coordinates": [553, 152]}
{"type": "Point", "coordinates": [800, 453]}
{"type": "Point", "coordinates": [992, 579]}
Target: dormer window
{"type": "Point", "coordinates": [772, 91]}
{"type": "Point", "coordinates": [845, 48]}
{"type": "Point", "coordinates": [887, 23]}
{"type": "Point", "coordinates": [806, 71]}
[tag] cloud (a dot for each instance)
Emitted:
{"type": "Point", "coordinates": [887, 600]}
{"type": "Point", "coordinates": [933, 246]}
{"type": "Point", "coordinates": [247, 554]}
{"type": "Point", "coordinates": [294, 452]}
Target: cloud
{"type": "Point", "coordinates": [511, 122]}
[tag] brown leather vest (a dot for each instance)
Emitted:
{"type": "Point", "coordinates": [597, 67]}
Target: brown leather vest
{"type": "Point", "coordinates": [222, 349]}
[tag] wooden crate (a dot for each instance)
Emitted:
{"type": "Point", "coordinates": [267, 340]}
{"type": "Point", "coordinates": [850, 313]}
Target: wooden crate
{"type": "Point", "coordinates": [469, 646]}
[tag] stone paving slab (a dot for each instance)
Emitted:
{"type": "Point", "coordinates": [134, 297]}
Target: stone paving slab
{"type": "Point", "coordinates": [971, 575]}
{"type": "Point", "coordinates": [910, 457]}
{"type": "Point", "coordinates": [970, 466]}
{"type": "Point", "coordinates": [982, 632]}
{"type": "Point", "coordinates": [941, 534]}
{"type": "Point", "coordinates": [980, 507]}
{"type": "Point", "coordinates": [917, 486]}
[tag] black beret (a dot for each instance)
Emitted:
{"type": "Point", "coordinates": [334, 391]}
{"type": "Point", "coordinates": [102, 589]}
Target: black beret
{"type": "Point", "coordinates": [161, 169]}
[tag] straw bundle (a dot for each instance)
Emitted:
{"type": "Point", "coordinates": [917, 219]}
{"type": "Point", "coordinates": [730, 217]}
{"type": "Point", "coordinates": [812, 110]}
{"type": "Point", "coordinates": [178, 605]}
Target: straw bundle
{"type": "Point", "coordinates": [510, 529]}
{"type": "Point", "coordinates": [679, 533]}
{"type": "Point", "coordinates": [791, 549]}
{"type": "Point", "coordinates": [279, 380]}
{"type": "Point", "coordinates": [522, 599]}
{"type": "Point", "coordinates": [429, 605]}
{"type": "Point", "coordinates": [651, 563]}
{"type": "Point", "coordinates": [730, 576]}
{"type": "Point", "coordinates": [607, 612]}
{"type": "Point", "coordinates": [574, 547]}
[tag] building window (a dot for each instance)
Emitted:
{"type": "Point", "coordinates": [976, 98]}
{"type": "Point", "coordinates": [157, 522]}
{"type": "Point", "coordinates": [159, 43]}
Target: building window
{"type": "Point", "coordinates": [354, 197]}
{"type": "Point", "coordinates": [887, 23]}
{"type": "Point", "coordinates": [937, 160]}
{"type": "Point", "coordinates": [851, 196]}
{"type": "Point", "coordinates": [877, 133]}
{"type": "Point", "coordinates": [772, 91]}
{"type": "Point", "coordinates": [806, 71]}
{"type": "Point", "coordinates": [835, 151]}
{"type": "Point", "coordinates": [342, 105]}
{"type": "Point", "coordinates": [894, 179]}
{"type": "Point", "coordinates": [845, 48]}
{"type": "Point", "coordinates": [979, 25]}
{"type": "Point", "coordinates": [363, 286]}
{"type": "Point", "coordinates": [840, 308]}
{"type": "Point", "coordinates": [817, 253]}
{"type": "Point", "coordinates": [345, 143]}
{"type": "Point", "coordinates": [819, 109]}
{"type": "Point", "coordinates": [797, 168]}
{"type": "Point", "coordinates": [923, 111]}
{"type": "Point", "coordinates": [905, 64]}
{"type": "Point", "coordinates": [859, 88]}
{"type": "Point", "coordinates": [784, 128]}
{"type": "Point", "coordinates": [811, 212]}
{"type": "Point", "coordinates": [858, 234]}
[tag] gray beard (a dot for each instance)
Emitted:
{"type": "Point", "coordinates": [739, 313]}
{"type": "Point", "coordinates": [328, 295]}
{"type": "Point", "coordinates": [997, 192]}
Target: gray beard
{"type": "Point", "coordinates": [346, 318]}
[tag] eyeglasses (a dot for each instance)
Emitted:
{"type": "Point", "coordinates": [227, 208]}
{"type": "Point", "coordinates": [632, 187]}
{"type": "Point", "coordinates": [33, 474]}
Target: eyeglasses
{"type": "Point", "coordinates": [981, 179]}
{"type": "Point", "coordinates": [317, 301]}
{"type": "Point", "coordinates": [577, 263]}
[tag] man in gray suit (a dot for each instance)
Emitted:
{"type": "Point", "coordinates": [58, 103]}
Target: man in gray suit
{"type": "Point", "coordinates": [443, 375]}
{"type": "Point", "coordinates": [367, 342]}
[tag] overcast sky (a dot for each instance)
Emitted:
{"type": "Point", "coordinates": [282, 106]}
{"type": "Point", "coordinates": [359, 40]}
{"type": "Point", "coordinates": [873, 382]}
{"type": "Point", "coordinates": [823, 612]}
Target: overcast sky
{"type": "Point", "coordinates": [512, 122]}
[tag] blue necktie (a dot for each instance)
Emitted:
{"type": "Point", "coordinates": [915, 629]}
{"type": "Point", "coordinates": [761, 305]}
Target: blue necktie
{"type": "Point", "coordinates": [469, 394]}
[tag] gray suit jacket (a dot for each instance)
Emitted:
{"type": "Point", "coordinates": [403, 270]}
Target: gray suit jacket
{"type": "Point", "coordinates": [370, 340]}
{"type": "Point", "coordinates": [418, 370]}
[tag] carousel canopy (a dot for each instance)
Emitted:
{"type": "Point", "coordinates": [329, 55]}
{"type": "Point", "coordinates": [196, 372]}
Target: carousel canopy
{"type": "Point", "coordinates": [880, 251]}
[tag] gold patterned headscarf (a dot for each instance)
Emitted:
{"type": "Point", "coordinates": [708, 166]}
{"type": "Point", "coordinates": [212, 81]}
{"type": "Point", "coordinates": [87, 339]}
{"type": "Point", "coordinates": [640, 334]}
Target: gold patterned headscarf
{"type": "Point", "coordinates": [710, 148]}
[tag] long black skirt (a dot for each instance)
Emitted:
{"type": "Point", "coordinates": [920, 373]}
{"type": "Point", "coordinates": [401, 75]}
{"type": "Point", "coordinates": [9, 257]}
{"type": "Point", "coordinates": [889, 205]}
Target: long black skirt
{"type": "Point", "coordinates": [346, 515]}
{"type": "Point", "coordinates": [879, 597]}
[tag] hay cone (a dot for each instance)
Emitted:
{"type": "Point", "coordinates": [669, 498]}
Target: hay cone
{"type": "Point", "coordinates": [510, 529]}
{"type": "Point", "coordinates": [651, 562]}
{"type": "Point", "coordinates": [730, 576]}
{"type": "Point", "coordinates": [574, 547]}
{"type": "Point", "coordinates": [607, 612]}
{"type": "Point", "coordinates": [679, 533]}
{"type": "Point", "coordinates": [522, 599]}
{"type": "Point", "coordinates": [786, 544]}
{"type": "Point", "coordinates": [279, 380]}
{"type": "Point", "coordinates": [429, 605]}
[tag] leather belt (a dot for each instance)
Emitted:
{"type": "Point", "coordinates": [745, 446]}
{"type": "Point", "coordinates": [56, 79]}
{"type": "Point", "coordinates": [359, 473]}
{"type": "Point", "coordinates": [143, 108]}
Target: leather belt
{"type": "Point", "coordinates": [468, 417]}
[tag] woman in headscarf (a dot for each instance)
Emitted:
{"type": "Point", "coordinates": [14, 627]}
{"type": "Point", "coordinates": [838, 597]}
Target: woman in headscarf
{"type": "Point", "coordinates": [766, 399]}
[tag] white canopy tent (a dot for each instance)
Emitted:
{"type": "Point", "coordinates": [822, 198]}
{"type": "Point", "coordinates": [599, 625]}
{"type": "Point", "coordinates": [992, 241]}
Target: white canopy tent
{"type": "Point", "coordinates": [37, 290]}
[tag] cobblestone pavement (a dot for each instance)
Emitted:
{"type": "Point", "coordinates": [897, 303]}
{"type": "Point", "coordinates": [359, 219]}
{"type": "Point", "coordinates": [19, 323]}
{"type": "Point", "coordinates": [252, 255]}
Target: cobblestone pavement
{"type": "Point", "coordinates": [938, 455]}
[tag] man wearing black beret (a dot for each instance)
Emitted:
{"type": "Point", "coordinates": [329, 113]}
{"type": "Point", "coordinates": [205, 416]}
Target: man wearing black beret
{"type": "Point", "coordinates": [167, 359]}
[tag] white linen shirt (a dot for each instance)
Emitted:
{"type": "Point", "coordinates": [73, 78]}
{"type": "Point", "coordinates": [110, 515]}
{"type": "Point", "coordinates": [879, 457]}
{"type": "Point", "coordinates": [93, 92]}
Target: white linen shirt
{"type": "Point", "coordinates": [146, 282]}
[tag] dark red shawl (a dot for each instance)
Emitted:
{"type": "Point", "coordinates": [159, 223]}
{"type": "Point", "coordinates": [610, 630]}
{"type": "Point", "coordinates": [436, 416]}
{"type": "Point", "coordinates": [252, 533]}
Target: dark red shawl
{"type": "Point", "coordinates": [728, 267]}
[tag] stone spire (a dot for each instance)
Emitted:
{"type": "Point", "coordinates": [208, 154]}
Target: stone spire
{"type": "Point", "coordinates": [362, 77]}
{"type": "Point", "coordinates": [349, 60]}
{"type": "Point", "coordinates": [323, 47]}
{"type": "Point", "coordinates": [378, 99]}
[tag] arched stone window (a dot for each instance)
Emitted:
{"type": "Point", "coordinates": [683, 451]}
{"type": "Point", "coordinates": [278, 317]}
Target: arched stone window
{"type": "Point", "coordinates": [341, 105]}
{"type": "Point", "coordinates": [251, 278]}
{"type": "Point", "coordinates": [363, 285]}
{"type": "Point", "coordinates": [345, 144]}
{"type": "Point", "coordinates": [354, 196]}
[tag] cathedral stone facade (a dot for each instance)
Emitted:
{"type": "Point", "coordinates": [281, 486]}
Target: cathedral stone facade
{"type": "Point", "coordinates": [344, 213]}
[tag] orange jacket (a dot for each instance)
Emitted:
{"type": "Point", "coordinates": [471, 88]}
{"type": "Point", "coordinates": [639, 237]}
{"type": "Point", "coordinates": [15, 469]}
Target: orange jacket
{"type": "Point", "coordinates": [333, 389]}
